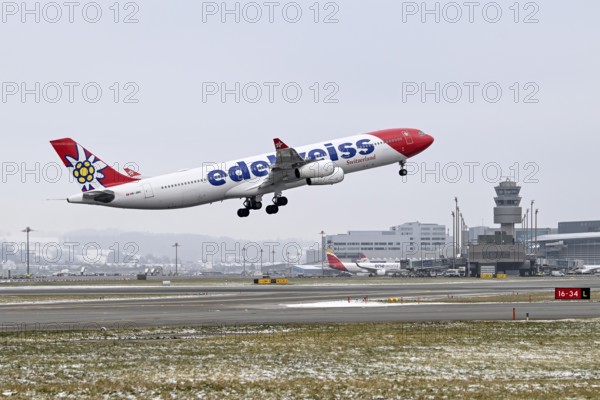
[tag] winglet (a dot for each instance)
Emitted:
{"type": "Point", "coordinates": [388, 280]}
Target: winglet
{"type": "Point", "coordinates": [279, 144]}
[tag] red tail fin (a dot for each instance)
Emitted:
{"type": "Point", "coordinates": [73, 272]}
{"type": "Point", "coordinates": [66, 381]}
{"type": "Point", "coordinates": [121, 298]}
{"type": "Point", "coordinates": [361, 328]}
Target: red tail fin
{"type": "Point", "coordinates": [279, 144]}
{"type": "Point", "coordinates": [88, 170]}
{"type": "Point", "coordinates": [335, 262]}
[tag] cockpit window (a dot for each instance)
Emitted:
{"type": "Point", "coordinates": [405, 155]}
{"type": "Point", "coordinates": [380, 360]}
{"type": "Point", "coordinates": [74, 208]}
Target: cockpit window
{"type": "Point", "coordinates": [421, 133]}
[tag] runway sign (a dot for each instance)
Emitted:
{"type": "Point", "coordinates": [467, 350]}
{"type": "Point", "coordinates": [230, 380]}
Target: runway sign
{"type": "Point", "coordinates": [572, 293]}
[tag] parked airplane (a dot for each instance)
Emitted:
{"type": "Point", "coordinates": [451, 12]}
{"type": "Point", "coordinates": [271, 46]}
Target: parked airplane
{"type": "Point", "coordinates": [372, 268]}
{"type": "Point", "coordinates": [335, 263]}
{"type": "Point", "coordinates": [587, 269]}
{"type": "Point", "coordinates": [251, 178]}
{"type": "Point", "coordinates": [381, 268]}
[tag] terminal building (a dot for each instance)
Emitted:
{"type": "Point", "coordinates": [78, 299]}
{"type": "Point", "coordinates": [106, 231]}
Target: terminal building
{"type": "Point", "coordinates": [521, 234]}
{"type": "Point", "coordinates": [575, 240]}
{"type": "Point", "coordinates": [413, 240]}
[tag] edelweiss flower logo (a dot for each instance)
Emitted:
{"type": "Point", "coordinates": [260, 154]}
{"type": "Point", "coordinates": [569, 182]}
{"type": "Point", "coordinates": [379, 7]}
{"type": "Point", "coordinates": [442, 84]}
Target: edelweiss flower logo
{"type": "Point", "coordinates": [84, 172]}
{"type": "Point", "coordinates": [87, 170]}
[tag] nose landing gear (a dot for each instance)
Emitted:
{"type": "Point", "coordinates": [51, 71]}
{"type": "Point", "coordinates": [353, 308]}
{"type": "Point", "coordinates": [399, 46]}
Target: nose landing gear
{"type": "Point", "coordinates": [403, 171]}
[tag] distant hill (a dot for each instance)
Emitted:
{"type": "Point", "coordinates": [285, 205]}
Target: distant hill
{"type": "Point", "coordinates": [194, 247]}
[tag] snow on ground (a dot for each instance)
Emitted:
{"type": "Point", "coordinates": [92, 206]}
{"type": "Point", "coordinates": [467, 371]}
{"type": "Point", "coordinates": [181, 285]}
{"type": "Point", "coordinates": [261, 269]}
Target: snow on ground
{"type": "Point", "coordinates": [383, 303]}
{"type": "Point", "coordinates": [342, 304]}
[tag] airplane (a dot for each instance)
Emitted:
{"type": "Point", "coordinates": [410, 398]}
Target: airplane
{"type": "Point", "coordinates": [334, 262]}
{"type": "Point", "coordinates": [251, 178]}
{"type": "Point", "coordinates": [587, 269]}
{"type": "Point", "coordinates": [381, 268]}
{"type": "Point", "coordinates": [372, 268]}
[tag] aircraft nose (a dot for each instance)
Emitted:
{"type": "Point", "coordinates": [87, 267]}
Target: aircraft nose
{"type": "Point", "coordinates": [423, 142]}
{"type": "Point", "coordinates": [428, 141]}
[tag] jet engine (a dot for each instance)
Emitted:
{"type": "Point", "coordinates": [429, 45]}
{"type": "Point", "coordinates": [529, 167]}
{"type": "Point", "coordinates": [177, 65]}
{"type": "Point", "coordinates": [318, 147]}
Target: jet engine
{"type": "Point", "coordinates": [317, 169]}
{"type": "Point", "coordinates": [335, 177]}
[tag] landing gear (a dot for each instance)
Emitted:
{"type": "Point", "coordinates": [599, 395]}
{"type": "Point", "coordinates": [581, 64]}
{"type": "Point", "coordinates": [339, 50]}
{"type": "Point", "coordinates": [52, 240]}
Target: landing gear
{"type": "Point", "coordinates": [254, 203]}
{"type": "Point", "coordinates": [272, 209]}
{"type": "Point", "coordinates": [243, 212]}
{"type": "Point", "coordinates": [278, 201]}
{"type": "Point", "coordinates": [251, 203]}
{"type": "Point", "coordinates": [403, 171]}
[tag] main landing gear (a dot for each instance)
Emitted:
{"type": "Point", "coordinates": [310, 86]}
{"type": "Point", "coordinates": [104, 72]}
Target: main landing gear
{"type": "Point", "coordinates": [254, 203]}
{"type": "Point", "coordinates": [403, 171]}
{"type": "Point", "coordinates": [278, 201]}
{"type": "Point", "coordinates": [251, 203]}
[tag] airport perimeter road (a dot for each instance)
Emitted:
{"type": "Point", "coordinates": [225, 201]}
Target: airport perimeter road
{"type": "Point", "coordinates": [196, 305]}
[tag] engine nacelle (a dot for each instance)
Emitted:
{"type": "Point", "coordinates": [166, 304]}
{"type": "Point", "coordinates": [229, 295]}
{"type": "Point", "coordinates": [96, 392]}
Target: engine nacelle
{"type": "Point", "coordinates": [380, 272]}
{"type": "Point", "coordinates": [336, 177]}
{"type": "Point", "coordinates": [317, 169]}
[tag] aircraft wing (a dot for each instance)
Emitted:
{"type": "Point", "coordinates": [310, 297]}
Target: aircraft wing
{"type": "Point", "coordinates": [287, 160]}
{"type": "Point", "coordinates": [368, 269]}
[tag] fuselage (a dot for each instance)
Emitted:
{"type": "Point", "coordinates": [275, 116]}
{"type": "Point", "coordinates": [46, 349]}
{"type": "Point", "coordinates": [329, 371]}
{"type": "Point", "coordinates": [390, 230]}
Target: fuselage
{"type": "Point", "coordinates": [245, 178]}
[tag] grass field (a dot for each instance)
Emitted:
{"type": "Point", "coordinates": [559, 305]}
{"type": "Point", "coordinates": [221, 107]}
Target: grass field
{"type": "Point", "coordinates": [34, 298]}
{"type": "Point", "coordinates": [474, 360]}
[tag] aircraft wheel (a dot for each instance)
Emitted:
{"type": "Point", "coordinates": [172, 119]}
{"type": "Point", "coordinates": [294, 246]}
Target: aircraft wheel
{"type": "Point", "coordinates": [403, 172]}
{"type": "Point", "coordinates": [273, 209]}
{"type": "Point", "coordinates": [243, 212]}
{"type": "Point", "coordinates": [282, 201]}
{"type": "Point", "coordinates": [257, 205]}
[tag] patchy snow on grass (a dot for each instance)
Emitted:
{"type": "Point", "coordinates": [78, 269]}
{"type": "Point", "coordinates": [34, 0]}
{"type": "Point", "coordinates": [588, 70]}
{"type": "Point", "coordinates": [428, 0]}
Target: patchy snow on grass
{"type": "Point", "coordinates": [342, 304]}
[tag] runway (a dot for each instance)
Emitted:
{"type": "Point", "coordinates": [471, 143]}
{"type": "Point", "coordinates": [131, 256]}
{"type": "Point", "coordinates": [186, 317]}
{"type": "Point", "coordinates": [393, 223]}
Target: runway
{"type": "Point", "coordinates": [191, 305]}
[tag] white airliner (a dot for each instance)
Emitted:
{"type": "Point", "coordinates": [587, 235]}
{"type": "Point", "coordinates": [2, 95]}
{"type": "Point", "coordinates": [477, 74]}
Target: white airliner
{"type": "Point", "coordinates": [388, 268]}
{"type": "Point", "coordinates": [250, 178]}
{"type": "Point", "coordinates": [334, 262]}
{"type": "Point", "coordinates": [588, 269]}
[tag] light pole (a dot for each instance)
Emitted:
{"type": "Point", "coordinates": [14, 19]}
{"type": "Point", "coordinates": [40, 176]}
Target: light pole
{"type": "Point", "coordinates": [462, 231]}
{"type": "Point", "coordinates": [536, 244]}
{"type": "Point", "coordinates": [261, 256]}
{"type": "Point", "coordinates": [453, 240]}
{"type": "Point", "coordinates": [526, 229]}
{"type": "Point", "coordinates": [531, 226]}
{"type": "Point", "coordinates": [244, 258]}
{"type": "Point", "coordinates": [322, 253]}
{"type": "Point", "coordinates": [176, 245]}
{"type": "Point", "coordinates": [27, 230]}
{"type": "Point", "coordinates": [456, 216]}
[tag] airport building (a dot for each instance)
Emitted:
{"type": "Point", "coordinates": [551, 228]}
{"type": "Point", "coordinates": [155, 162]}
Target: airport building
{"type": "Point", "coordinates": [414, 240]}
{"type": "Point", "coordinates": [500, 249]}
{"type": "Point", "coordinates": [521, 234]}
{"type": "Point", "coordinates": [575, 240]}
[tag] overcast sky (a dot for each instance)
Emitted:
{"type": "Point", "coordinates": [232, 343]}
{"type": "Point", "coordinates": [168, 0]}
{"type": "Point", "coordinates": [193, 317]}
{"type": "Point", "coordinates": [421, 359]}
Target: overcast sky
{"type": "Point", "coordinates": [545, 124]}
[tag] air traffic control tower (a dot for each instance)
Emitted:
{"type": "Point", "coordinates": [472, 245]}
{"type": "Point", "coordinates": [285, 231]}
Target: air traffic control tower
{"type": "Point", "coordinates": [507, 212]}
{"type": "Point", "coordinates": [499, 249]}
